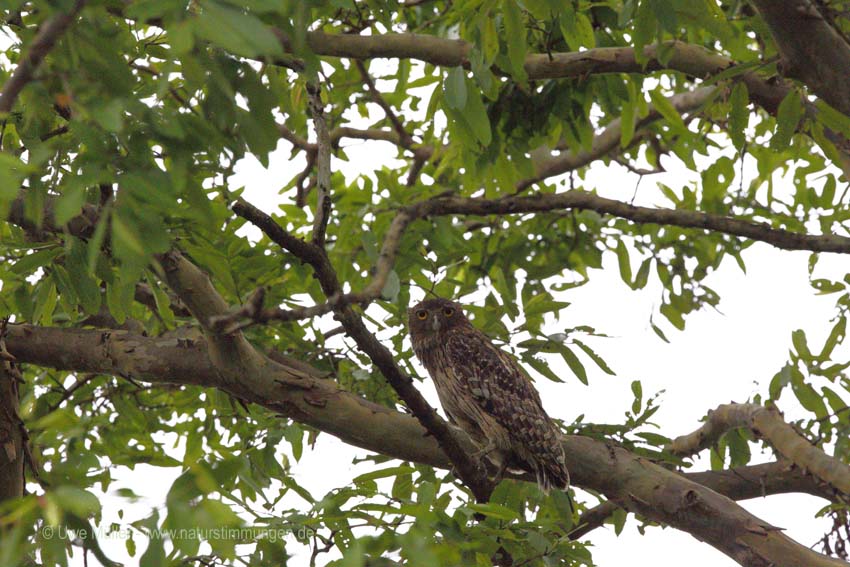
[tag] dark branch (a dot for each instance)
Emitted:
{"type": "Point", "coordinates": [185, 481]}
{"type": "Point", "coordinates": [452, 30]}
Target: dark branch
{"type": "Point", "coordinates": [582, 200]}
{"type": "Point", "coordinates": [467, 469]}
{"type": "Point", "coordinates": [404, 138]}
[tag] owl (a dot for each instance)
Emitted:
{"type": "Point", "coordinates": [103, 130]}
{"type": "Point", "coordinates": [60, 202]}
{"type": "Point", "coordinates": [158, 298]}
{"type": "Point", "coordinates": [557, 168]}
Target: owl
{"type": "Point", "coordinates": [486, 393]}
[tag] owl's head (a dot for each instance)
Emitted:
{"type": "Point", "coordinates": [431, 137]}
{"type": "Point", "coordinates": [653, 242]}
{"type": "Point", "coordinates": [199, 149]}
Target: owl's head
{"type": "Point", "coordinates": [435, 316]}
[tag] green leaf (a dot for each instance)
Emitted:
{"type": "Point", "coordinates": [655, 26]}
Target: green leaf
{"type": "Point", "coordinates": [627, 123]}
{"type": "Point", "coordinates": [493, 510]}
{"type": "Point", "coordinates": [779, 381]}
{"type": "Point", "coordinates": [35, 260]}
{"type": "Point", "coordinates": [455, 88]}
{"type": "Point", "coordinates": [833, 119]}
{"type": "Point", "coordinates": [807, 395]}
{"type": "Point", "coordinates": [739, 115]}
{"type": "Point", "coordinates": [84, 283]}
{"type": "Point", "coordinates": [476, 116]}
{"type": "Point", "coordinates": [163, 303]}
{"type": "Point", "coordinates": [119, 299]}
{"type": "Point", "coordinates": [798, 337]}
{"type": "Point", "coordinates": [77, 501]}
{"type": "Point", "coordinates": [392, 287]}
{"type": "Point", "coordinates": [515, 37]}
{"type": "Point", "coordinates": [383, 473]}
{"type": "Point", "coordinates": [618, 519]}
{"type": "Point", "coordinates": [637, 390]}
{"type": "Point", "coordinates": [12, 173]}
{"type": "Point", "coordinates": [657, 330]}
{"type": "Point", "coordinates": [574, 363]}
{"type": "Point", "coordinates": [644, 29]}
{"type": "Point", "coordinates": [836, 337]}
{"type": "Point", "coordinates": [594, 357]}
{"type": "Point", "coordinates": [236, 31]}
{"type": "Point", "coordinates": [643, 274]}
{"type": "Point", "coordinates": [668, 111]}
{"type": "Point", "coordinates": [541, 367]}
{"type": "Point", "coordinates": [70, 202]}
{"type": "Point", "coordinates": [623, 262]}
{"type": "Point", "coordinates": [787, 118]}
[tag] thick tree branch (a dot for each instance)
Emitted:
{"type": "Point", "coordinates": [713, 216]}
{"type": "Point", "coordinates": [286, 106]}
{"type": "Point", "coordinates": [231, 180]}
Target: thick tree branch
{"type": "Point", "coordinates": [41, 45]}
{"type": "Point", "coordinates": [767, 423]}
{"type": "Point", "coordinates": [686, 58]}
{"type": "Point", "coordinates": [631, 482]}
{"type": "Point", "coordinates": [740, 483]}
{"type": "Point", "coordinates": [812, 50]}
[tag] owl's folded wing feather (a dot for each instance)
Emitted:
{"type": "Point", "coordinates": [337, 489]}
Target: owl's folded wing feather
{"type": "Point", "coordinates": [502, 389]}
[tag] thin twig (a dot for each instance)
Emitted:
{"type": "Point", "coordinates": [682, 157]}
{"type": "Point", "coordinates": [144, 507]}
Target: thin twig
{"type": "Point", "coordinates": [404, 138]}
{"type": "Point", "coordinates": [41, 45]}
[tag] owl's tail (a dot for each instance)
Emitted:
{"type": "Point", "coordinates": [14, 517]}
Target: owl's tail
{"type": "Point", "coordinates": [551, 474]}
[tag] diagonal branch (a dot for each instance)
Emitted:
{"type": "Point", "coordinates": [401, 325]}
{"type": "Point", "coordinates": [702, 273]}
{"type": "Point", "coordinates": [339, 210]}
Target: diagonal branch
{"type": "Point", "coordinates": [467, 469]}
{"type": "Point", "coordinates": [404, 138]}
{"type": "Point", "coordinates": [41, 45]}
{"type": "Point", "coordinates": [767, 423]}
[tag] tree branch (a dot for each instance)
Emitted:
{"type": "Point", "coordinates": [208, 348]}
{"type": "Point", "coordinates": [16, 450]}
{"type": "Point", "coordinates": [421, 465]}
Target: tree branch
{"type": "Point", "coordinates": [803, 59]}
{"type": "Point", "coordinates": [609, 139]}
{"type": "Point", "coordinates": [336, 300]}
{"type": "Point", "coordinates": [576, 199]}
{"type": "Point", "coordinates": [690, 59]}
{"type": "Point", "coordinates": [41, 45]}
{"type": "Point", "coordinates": [767, 423]}
{"type": "Point", "coordinates": [467, 469]}
{"type": "Point", "coordinates": [323, 161]}
{"type": "Point", "coordinates": [403, 137]}
{"type": "Point", "coordinates": [632, 482]}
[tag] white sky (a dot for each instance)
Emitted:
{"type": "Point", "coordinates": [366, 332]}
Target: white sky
{"type": "Point", "coordinates": [722, 356]}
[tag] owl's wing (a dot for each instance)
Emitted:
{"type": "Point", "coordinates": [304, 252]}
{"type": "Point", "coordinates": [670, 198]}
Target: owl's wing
{"type": "Point", "coordinates": [493, 379]}
{"type": "Point", "coordinates": [496, 383]}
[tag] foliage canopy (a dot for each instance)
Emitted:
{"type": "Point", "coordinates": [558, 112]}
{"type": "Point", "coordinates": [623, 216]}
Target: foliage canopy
{"type": "Point", "coordinates": [130, 276]}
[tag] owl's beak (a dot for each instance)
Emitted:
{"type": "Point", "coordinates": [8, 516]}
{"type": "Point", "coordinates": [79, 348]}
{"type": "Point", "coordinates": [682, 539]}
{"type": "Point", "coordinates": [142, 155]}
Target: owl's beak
{"type": "Point", "coordinates": [435, 323]}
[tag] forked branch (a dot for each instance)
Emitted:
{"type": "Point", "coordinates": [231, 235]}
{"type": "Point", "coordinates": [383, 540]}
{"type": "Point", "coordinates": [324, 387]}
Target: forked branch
{"type": "Point", "coordinates": [767, 423]}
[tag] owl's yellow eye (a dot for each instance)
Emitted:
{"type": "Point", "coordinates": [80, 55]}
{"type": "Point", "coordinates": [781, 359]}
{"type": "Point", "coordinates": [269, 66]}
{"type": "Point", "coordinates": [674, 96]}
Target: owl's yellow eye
{"type": "Point", "coordinates": [422, 314]}
{"type": "Point", "coordinates": [448, 311]}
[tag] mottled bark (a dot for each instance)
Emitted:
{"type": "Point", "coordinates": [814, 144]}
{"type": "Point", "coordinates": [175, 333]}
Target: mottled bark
{"type": "Point", "coordinates": [767, 423]}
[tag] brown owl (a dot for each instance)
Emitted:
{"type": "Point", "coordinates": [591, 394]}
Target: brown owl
{"type": "Point", "coordinates": [486, 393]}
